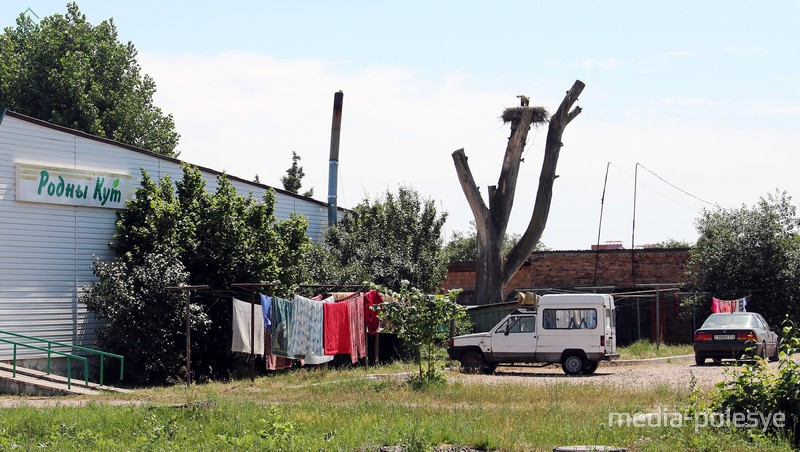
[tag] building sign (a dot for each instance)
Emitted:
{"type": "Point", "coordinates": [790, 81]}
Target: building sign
{"type": "Point", "coordinates": [75, 187]}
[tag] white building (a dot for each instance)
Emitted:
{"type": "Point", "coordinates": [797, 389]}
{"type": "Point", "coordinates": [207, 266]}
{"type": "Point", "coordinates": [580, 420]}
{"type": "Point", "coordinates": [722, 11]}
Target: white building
{"type": "Point", "coordinates": [60, 190]}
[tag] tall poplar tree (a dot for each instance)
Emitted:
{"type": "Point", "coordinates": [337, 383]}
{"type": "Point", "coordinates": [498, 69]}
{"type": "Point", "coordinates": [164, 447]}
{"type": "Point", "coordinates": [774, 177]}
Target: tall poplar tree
{"type": "Point", "coordinates": [66, 71]}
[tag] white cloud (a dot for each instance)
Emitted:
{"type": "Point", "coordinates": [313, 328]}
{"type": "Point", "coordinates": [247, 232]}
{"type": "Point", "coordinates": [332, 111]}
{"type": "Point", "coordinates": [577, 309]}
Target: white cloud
{"type": "Point", "coordinates": [687, 101]}
{"type": "Point", "coordinates": [585, 64]}
{"type": "Point", "coordinates": [246, 112]}
{"type": "Point", "coordinates": [680, 53]}
{"type": "Point", "coordinates": [782, 109]}
{"type": "Point", "coordinates": [609, 63]}
{"type": "Point", "coordinates": [746, 50]}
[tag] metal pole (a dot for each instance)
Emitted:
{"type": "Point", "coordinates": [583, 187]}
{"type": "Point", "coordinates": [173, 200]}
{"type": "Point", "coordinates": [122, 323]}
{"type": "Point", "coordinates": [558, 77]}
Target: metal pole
{"type": "Point", "coordinates": [600, 224]}
{"type": "Point", "coordinates": [638, 321]}
{"type": "Point", "coordinates": [188, 339]}
{"type": "Point", "coordinates": [633, 226]}
{"type": "Point", "coordinates": [333, 165]}
{"type": "Point", "coordinates": [658, 319]}
{"type": "Point", "coordinates": [252, 336]}
{"type": "Point", "coordinates": [188, 291]}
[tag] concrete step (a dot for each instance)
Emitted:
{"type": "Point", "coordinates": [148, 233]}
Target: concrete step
{"type": "Point", "coordinates": [34, 382]}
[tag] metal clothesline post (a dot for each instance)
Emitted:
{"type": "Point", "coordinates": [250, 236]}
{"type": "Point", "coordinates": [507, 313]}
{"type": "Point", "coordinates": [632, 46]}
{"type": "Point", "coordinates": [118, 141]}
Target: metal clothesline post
{"type": "Point", "coordinates": [188, 291]}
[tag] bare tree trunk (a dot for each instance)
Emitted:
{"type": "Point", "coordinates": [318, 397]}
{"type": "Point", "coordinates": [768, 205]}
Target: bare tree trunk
{"type": "Point", "coordinates": [493, 272]}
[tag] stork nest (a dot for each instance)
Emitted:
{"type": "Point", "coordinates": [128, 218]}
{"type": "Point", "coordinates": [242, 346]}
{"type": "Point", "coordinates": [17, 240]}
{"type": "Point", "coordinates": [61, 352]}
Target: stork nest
{"type": "Point", "coordinates": [514, 114]}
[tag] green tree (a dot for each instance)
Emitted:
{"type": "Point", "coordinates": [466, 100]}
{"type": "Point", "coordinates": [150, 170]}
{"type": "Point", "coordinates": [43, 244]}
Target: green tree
{"type": "Point", "coordinates": [672, 244]}
{"type": "Point", "coordinates": [751, 251]}
{"type": "Point", "coordinates": [386, 240]}
{"type": "Point", "coordinates": [422, 322]}
{"type": "Point", "coordinates": [66, 71]}
{"type": "Point", "coordinates": [213, 238]}
{"type": "Point", "coordinates": [293, 180]}
{"type": "Point", "coordinates": [463, 246]}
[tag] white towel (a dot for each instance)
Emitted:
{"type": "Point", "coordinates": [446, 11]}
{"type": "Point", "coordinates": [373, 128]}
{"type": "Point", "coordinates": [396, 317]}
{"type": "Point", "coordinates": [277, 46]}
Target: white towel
{"type": "Point", "coordinates": [241, 328]}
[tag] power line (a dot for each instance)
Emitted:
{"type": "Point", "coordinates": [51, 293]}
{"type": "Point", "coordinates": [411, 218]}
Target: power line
{"type": "Point", "coordinates": [656, 191]}
{"type": "Point", "coordinates": [680, 189]}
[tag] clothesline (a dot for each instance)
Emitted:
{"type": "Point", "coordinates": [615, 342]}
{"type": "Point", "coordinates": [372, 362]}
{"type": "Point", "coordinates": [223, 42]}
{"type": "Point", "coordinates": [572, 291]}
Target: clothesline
{"type": "Point", "coordinates": [311, 330]}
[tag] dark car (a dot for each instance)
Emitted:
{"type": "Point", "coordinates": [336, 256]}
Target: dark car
{"type": "Point", "coordinates": [735, 335]}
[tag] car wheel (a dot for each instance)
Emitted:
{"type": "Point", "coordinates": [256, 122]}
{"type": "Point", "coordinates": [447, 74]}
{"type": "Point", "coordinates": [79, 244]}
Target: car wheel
{"type": "Point", "coordinates": [591, 366]}
{"type": "Point", "coordinates": [699, 359]}
{"type": "Point", "coordinates": [573, 364]}
{"type": "Point", "coordinates": [472, 362]}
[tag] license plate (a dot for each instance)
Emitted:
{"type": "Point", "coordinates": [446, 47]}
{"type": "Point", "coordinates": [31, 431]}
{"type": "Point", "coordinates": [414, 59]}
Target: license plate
{"type": "Point", "coordinates": [724, 337]}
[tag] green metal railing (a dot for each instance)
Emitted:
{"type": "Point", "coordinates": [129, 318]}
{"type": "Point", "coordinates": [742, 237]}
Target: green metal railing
{"type": "Point", "coordinates": [69, 356]}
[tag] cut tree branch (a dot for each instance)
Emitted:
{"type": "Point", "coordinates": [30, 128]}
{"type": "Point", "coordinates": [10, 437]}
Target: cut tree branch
{"type": "Point", "coordinates": [544, 195]}
{"type": "Point", "coordinates": [474, 199]}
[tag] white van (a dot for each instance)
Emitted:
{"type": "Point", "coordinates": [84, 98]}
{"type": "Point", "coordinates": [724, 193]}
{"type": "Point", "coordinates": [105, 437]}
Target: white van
{"type": "Point", "coordinates": [576, 330]}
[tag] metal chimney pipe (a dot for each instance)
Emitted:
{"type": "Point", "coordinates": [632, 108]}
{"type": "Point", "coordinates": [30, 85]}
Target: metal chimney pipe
{"type": "Point", "coordinates": [333, 165]}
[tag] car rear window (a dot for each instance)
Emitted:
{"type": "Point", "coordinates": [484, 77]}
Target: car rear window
{"type": "Point", "coordinates": [730, 321]}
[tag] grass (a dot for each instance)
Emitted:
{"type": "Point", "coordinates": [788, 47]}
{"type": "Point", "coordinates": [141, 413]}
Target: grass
{"type": "Point", "coordinates": [643, 349]}
{"type": "Point", "coordinates": [342, 410]}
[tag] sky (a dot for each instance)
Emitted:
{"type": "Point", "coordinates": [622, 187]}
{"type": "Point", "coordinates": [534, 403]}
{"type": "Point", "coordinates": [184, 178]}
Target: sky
{"type": "Point", "coordinates": [687, 106]}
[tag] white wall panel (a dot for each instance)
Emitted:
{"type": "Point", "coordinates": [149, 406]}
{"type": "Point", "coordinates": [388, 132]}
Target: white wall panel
{"type": "Point", "coordinates": [47, 250]}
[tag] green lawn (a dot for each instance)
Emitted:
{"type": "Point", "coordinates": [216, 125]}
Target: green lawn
{"type": "Point", "coordinates": [643, 349]}
{"type": "Point", "coordinates": [342, 410]}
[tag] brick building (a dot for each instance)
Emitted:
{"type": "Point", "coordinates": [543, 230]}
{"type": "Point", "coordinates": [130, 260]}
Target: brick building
{"type": "Point", "coordinates": [640, 280]}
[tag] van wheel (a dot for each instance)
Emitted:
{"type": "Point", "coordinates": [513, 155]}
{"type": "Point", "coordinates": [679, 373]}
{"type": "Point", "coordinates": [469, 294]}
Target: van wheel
{"type": "Point", "coordinates": [472, 362]}
{"type": "Point", "coordinates": [573, 364]}
{"type": "Point", "coordinates": [591, 366]}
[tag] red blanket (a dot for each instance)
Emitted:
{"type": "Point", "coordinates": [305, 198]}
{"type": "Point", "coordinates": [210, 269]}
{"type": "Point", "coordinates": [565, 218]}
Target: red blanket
{"type": "Point", "coordinates": [336, 328]}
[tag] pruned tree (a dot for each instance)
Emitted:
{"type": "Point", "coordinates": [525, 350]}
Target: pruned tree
{"type": "Point", "coordinates": [493, 270]}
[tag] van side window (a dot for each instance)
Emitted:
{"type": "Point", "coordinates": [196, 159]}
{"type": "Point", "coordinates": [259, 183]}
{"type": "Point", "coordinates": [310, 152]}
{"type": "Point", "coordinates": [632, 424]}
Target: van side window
{"type": "Point", "coordinates": [569, 319]}
{"type": "Point", "coordinates": [526, 324]}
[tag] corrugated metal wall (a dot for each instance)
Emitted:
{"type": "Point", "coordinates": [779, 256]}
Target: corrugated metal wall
{"type": "Point", "coordinates": [46, 250]}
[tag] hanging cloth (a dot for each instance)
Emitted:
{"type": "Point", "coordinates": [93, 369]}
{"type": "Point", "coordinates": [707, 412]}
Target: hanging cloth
{"type": "Point", "coordinates": [282, 313]}
{"type": "Point", "coordinates": [742, 304]}
{"type": "Point", "coordinates": [358, 340]}
{"type": "Point", "coordinates": [241, 322]}
{"type": "Point", "coordinates": [266, 312]}
{"type": "Point", "coordinates": [274, 362]}
{"type": "Point", "coordinates": [371, 318]}
{"type": "Point", "coordinates": [300, 327]}
{"type": "Point", "coordinates": [342, 296]}
{"type": "Point", "coordinates": [307, 335]}
{"type": "Point", "coordinates": [714, 305]}
{"type": "Point", "coordinates": [336, 328]}
{"type": "Point", "coordinates": [316, 339]}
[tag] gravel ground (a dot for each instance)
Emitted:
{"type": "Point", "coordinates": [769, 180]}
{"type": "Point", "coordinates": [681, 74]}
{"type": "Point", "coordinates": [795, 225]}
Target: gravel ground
{"type": "Point", "coordinates": [677, 373]}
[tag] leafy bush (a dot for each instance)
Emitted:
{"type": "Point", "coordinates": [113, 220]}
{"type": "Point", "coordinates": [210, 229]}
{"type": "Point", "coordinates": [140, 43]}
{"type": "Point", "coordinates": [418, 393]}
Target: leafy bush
{"type": "Point", "coordinates": [757, 389]}
{"type": "Point", "coordinates": [422, 322]}
{"type": "Point", "coordinates": [173, 234]}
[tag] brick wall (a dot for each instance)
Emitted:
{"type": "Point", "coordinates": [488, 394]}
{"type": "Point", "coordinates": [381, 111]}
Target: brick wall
{"type": "Point", "coordinates": [622, 269]}
{"type": "Point", "coordinates": [625, 271]}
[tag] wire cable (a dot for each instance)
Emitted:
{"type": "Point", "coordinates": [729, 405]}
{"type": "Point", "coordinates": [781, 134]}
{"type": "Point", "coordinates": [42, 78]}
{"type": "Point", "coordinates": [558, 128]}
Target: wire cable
{"type": "Point", "coordinates": [680, 189]}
